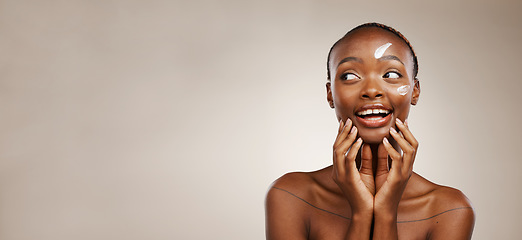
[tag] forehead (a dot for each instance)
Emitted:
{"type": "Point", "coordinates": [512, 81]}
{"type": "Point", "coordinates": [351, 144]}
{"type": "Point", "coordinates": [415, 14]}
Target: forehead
{"type": "Point", "coordinates": [363, 42]}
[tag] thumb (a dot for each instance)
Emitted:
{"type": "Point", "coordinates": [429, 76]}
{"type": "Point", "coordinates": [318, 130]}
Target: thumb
{"type": "Point", "coordinates": [366, 160]}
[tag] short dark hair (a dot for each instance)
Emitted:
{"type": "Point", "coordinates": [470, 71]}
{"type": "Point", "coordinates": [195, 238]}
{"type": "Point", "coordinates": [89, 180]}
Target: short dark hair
{"type": "Point", "coordinates": [381, 26]}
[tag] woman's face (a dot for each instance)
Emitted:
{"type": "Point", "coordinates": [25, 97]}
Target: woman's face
{"type": "Point", "coordinates": [372, 82]}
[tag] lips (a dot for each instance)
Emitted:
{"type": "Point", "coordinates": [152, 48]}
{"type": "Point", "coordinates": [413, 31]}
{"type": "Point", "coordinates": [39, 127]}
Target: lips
{"type": "Point", "coordinates": [374, 115]}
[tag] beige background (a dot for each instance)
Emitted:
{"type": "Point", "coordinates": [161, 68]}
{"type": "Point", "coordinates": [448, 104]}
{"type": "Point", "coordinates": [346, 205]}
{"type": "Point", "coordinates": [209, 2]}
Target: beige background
{"type": "Point", "coordinates": [169, 119]}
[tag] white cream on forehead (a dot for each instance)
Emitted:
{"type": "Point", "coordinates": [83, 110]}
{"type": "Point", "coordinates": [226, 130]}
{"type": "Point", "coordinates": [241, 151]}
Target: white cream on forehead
{"type": "Point", "coordinates": [380, 51]}
{"type": "Point", "coordinates": [403, 90]}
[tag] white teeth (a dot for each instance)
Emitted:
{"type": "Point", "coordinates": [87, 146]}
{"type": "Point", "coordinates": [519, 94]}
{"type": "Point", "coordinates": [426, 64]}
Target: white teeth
{"type": "Point", "coordinates": [373, 118]}
{"type": "Point", "coordinates": [372, 111]}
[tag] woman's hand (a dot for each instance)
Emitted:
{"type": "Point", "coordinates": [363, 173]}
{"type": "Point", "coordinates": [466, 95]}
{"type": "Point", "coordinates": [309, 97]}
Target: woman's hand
{"type": "Point", "coordinates": [391, 182]}
{"type": "Point", "coordinates": [357, 186]}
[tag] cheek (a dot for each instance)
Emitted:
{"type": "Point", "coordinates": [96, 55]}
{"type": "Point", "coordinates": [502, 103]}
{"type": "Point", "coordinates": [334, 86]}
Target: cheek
{"type": "Point", "coordinates": [343, 95]}
{"type": "Point", "coordinates": [403, 90]}
{"type": "Point", "coordinates": [344, 102]}
{"type": "Point", "coordinates": [400, 98]}
{"type": "Point", "coordinates": [399, 93]}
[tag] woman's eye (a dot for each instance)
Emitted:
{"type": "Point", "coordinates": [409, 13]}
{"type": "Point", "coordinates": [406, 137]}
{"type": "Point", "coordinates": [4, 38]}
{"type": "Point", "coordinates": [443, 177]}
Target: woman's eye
{"type": "Point", "coordinates": [349, 76]}
{"type": "Point", "coordinates": [391, 75]}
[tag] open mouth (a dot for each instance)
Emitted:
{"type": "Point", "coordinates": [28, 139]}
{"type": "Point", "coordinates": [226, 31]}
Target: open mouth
{"type": "Point", "coordinates": [374, 116]}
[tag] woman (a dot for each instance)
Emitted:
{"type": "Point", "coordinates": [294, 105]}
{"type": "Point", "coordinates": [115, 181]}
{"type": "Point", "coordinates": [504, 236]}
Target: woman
{"type": "Point", "coordinates": [370, 191]}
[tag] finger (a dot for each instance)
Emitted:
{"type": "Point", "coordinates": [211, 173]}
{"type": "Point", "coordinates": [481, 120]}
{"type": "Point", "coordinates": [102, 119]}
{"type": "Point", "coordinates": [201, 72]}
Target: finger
{"type": "Point", "coordinates": [400, 164]}
{"type": "Point", "coordinates": [406, 133]}
{"type": "Point", "coordinates": [407, 148]}
{"type": "Point", "coordinates": [394, 155]}
{"type": "Point", "coordinates": [348, 141]}
{"type": "Point", "coordinates": [341, 149]}
{"type": "Point", "coordinates": [339, 164]}
{"type": "Point", "coordinates": [403, 143]}
{"type": "Point", "coordinates": [352, 155]}
{"type": "Point", "coordinates": [366, 160]}
{"type": "Point", "coordinates": [382, 160]}
{"type": "Point", "coordinates": [342, 125]}
{"type": "Point", "coordinates": [396, 165]}
{"type": "Point", "coordinates": [344, 131]}
{"type": "Point", "coordinates": [335, 161]}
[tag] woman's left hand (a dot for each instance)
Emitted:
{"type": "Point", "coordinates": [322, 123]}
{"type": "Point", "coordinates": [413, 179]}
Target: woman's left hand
{"type": "Point", "coordinates": [390, 183]}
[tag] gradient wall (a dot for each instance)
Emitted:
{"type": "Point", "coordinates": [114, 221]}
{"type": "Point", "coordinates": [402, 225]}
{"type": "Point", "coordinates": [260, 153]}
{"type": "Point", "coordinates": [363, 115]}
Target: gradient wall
{"type": "Point", "coordinates": [169, 119]}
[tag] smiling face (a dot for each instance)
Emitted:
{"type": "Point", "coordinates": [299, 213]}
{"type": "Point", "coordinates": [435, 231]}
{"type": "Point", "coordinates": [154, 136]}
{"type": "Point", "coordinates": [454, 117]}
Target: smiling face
{"type": "Point", "coordinates": [372, 81]}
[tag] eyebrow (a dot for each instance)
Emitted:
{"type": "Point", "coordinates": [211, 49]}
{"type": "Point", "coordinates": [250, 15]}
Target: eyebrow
{"type": "Point", "coordinates": [390, 57]}
{"type": "Point", "coordinates": [349, 59]}
{"type": "Point", "coordinates": [383, 58]}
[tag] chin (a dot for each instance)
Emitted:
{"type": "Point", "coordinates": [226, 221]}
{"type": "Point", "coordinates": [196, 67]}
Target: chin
{"type": "Point", "coordinates": [374, 136]}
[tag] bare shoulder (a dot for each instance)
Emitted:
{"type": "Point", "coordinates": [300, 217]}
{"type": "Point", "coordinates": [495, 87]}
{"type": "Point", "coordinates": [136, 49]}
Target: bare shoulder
{"type": "Point", "coordinates": [451, 213]}
{"type": "Point", "coordinates": [297, 181]}
{"type": "Point", "coordinates": [450, 198]}
{"type": "Point", "coordinates": [302, 185]}
{"type": "Point", "coordinates": [289, 188]}
{"type": "Point", "coordinates": [286, 208]}
{"type": "Point", "coordinates": [444, 199]}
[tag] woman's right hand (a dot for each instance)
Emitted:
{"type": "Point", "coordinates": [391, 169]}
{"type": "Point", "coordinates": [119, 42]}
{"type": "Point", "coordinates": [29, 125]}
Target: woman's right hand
{"type": "Point", "coordinates": [357, 185]}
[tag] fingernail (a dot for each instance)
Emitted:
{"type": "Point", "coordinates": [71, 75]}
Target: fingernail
{"type": "Point", "coordinates": [398, 120]}
{"type": "Point", "coordinates": [359, 140]}
{"type": "Point", "coordinates": [353, 129]}
{"type": "Point", "coordinates": [406, 122]}
{"type": "Point", "coordinates": [385, 139]}
{"type": "Point", "coordinates": [348, 120]}
{"type": "Point", "coordinates": [393, 130]}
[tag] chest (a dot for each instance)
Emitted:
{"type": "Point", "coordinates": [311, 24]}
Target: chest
{"type": "Point", "coordinates": [324, 225]}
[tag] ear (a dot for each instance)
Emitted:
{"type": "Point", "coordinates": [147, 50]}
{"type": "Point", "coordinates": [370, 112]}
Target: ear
{"type": "Point", "coordinates": [329, 95]}
{"type": "Point", "coordinates": [416, 92]}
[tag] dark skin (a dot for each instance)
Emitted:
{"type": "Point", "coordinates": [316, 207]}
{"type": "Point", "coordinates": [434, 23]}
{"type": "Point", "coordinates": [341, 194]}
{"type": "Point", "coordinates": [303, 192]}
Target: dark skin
{"type": "Point", "coordinates": [370, 191]}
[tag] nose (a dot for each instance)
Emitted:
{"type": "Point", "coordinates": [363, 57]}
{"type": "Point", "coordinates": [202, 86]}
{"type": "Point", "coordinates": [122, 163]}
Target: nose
{"type": "Point", "coordinates": [372, 89]}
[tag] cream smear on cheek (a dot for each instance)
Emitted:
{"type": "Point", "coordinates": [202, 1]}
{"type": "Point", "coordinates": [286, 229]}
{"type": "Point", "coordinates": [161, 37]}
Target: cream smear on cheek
{"type": "Point", "coordinates": [403, 90]}
{"type": "Point", "coordinates": [380, 51]}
